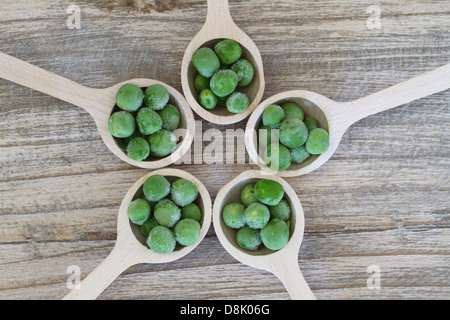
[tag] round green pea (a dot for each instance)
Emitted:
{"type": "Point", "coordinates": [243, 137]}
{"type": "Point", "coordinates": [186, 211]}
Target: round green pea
{"type": "Point", "coordinates": [311, 123]}
{"type": "Point", "coordinates": [156, 188]}
{"type": "Point", "coordinates": [156, 97]}
{"type": "Point", "coordinates": [256, 215]}
{"type": "Point", "coordinates": [206, 62]}
{"type": "Point", "coordinates": [277, 161]}
{"type": "Point", "coordinates": [201, 83]}
{"type": "Point", "coordinates": [207, 99]}
{"type": "Point", "coordinates": [162, 143]}
{"type": "Point", "coordinates": [275, 235]}
{"type": "Point", "coordinates": [233, 215]}
{"type": "Point", "coordinates": [139, 211]}
{"type": "Point", "coordinates": [191, 211]}
{"type": "Point", "coordinates": [281, 211]}
{"type": "Point", "coordinates": [148, 121]}
{"type": "Point", "coordinates": [121, 124]}
{"type": "Point", "coordinates": [269, 192]}
{"type": "Point", "coordinates": [293, 110]}
{"type": "Point", "coordinates": [248, 238]}
{"type": "Point", "coordinates": [161, 240]}
{"type": "Point", "coordinates": [187, 232]}
{"type": "Point", "coordinates": [129, 97]}
{"type": "Point", "coordinates": [167, 213]}
{"type": "Point", "coordinates": [299, 155]}
{"type": "Point", "coordinates": [147, 226]}
{"type": "Point", "coordinates": [224, 82]}
{"type": "Point", "coordinates": [138, 149]}
{"type": "Point", "coordinates": [183, 192]}
{"type": "Point", "coordinates": [293, 133]}
{"type": "Point", "coordinates": [228, 51]}
{"type": "Point", "coordinates": [245, 72]}
{"type": "Point", "coordinates": [273, 116]}
{"type": "Point", "coordinates": [318, 141]}
{"type": "Point", "coordinates": [170, 116]}
{"type": "Point", "coordinates": [248, 195]}
{"type": "Point", "coordinates": [237, 102]}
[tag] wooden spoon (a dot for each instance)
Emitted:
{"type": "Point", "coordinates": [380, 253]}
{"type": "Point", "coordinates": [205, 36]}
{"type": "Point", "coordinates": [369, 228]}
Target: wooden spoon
{"type": "Point", "coordinates": [218, 26]}
{"type": "Point", "coordinates": [337, 117]}
{"type": "Point", "coordinates": [130, 248]}
{"type": "Point", "coordinates": [282, 263]}
{"type": "Point", "coordinates": [99, 103]}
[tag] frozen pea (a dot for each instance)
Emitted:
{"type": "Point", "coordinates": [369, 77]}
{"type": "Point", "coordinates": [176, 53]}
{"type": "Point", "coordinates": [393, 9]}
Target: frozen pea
{"type": "Point", "coordinates": [318, 141]}
{"type": "Point", "coordinates": [162, 143]}
{"type": "Point", "coordinates": [256, 215]}
{"type": "Point", "coordinates": [129, 97]}
{"type": "Point", "coordinates": [206, 62]}
{"type": "Point", "coordinates": [275, 235]}
{"type": "Point", "coordinates": [167, 213]}
{"type": "Point", "coordinates": [273, 116]}
{"type": "Point", "coordinates": [248, 238]}
{"type": "Point", "coordinates": [293, 110]}
{"type": "Point", "coordinates": [233, 215]}
{"type": "Point", "coordinates": [183, 192]}
{"type": "Point", "coordinates": [170, 116]}
{"type": "Point", "coordinates": [245, 72]}
{"type": "Point", "coordinates": [277, 161]}
{"type": "Point", "coordinates": [148, 121]}
{"type": "Point", "coordinates": [191, 211]}
{"type": "Point", "coordinates": [161, 240]}
{"type": "Point", "coordinates": [311, 123]}
{"type": "Point", "coordinates": [269, 192]}
{"type": "Point", "coordinates": [281, 211]}
{"type": "Point", "coordinates": [293, 133]}
{"type": "Point", "coordinates": [139, 211]}
{"type": "Point", "coordinates": [121, 124]}
{"type": "Point", "coordinates": [299, 155]}
{"type": "Point", "coordinates": [228, 51]}
{"type": "Point", "coordinates": [156, 188]}
{"type": "Point", "coordinates": [156, 97]}
{"type": "Point", "coordinates": [224, 82]}
{"type": "Point", "coordinates": [201, 83]}
{"type": "Point", "coordinates": [187, 232]}
{"type": "Point", "coordinates": [248, 195]}
{"type": "Point", "coordinates": [207, 99]}
{"type": "Point", "coordinates": [147, 226]}
{"type": "Point", "coordinates": [138, 149]}
{"type": "Point", "coordinates": [237, 102]}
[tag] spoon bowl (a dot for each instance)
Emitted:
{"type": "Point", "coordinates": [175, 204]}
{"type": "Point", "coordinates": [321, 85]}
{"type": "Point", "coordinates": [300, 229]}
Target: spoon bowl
{"type": "Point", "coordinates": [218, 26]}
{"type": "Point", "coordinates": [130, 248]}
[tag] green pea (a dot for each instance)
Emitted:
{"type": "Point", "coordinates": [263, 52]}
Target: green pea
{"type": "Point", "coordinates": [206, 62]}
{"type": "Point", "coordinates": [121, 124]}
{"type": "Point", "coordinates": [273, 116]}
{"type": "Point", "coordinates": [293, 133]}
{"type": "Point", "coordinates": [191, 211]}
{"type": "Point", "coordinates": [311, 123]}
{"type": "Point", "coordinates": [187, 232]}
{"type": "Point", "coordinates": [281, 211]}
{"type": "Point", "coordinates": [148, 121]}
{"type": "Point", "coordinates": [129, 97]}
{"type": "Point", "coordinates": [139, 211]}
{"type": "Point", "coordinates": [147, 226]}
{"type": "Point", "coordinates": [269, 192]}
{"type": "Point", "coordinates": [167, 213]}
{"type": "Point", "coordinates": [275, 235]}
{"type": "Point", "coordinates": [156, 188]}
{"type": "Point", "coordinates": [318, 141]}
{"type": "Point", "coordinates": [224, 82]}
{"type": "Point", "coordinates": [228, 51]}
{"type": "Point", "coordinates": [248, 195]}
{"type": "Point", "coordinates": [156, 97]}
{"type": "Point", "coordinates": [233, 215]}
{"type": "Point", "coordinates": [161, 240]}
{"type": "Point", "coordinates": [162, 143]}
{"type": "Point", "coordinates": [293, 110]}
{"type": "Point", "coordinates": [170, 116]}
{"type": "Point", "coordinates": [299, 155]}
{"type": "Point", "coordinates": [245, 72]}
{"type": "Point", "coordinates": [201, 83]}
{"type": "Point", "coordinates": [280, 161]}
{"type": "Point", "coordinates": [207, 99]}
{"type": "Point", "coordinates": [183, 192]}
{"type": "Point", "coordinates": [257, 215]}
{"type": "Point", "coordinates": [248, 238]}
{"type": "Point", "coordinates": [138, 149]}
{"type": "Point", "coordinates": [237, 102]}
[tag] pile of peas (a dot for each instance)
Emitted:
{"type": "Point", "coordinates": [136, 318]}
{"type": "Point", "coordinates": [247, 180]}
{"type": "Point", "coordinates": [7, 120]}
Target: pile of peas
{"type": "Point", "coordinates": [263, 217]}
{"type": "Point", "coordinates": [146, 121]}
{"type": "Point", "coordinates": [299, 136]}
{"type": "Point", "coordinates": [220, 72]}
{"type": "Point", "coordinates": [167, 214]}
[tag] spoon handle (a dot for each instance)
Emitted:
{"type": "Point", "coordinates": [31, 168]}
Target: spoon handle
{"type": "Point", "coordinates": [28, 75]}
{"type": "Point", "coordinates": [218, 14]}
{"type": "Point", "coordinates": [419, 87]}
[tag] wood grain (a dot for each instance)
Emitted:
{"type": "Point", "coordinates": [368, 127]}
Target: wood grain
{"type": "Point", "coordinates": [382, 199]}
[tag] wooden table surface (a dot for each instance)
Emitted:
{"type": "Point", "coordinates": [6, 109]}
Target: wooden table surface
{"type": "Point", "coordinates": [381, 203]}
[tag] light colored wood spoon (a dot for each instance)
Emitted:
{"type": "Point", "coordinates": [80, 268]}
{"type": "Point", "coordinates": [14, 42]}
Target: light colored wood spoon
{"type": "Point", "coordinates": [99, 103]}
{"type": "Point", "coordinates": [282, 263]}
{"type": "Point", "coordinates": [337, 117]}
{"type": "Point", "coordinates": [218, 26]}
{"type": "Point", "coordinates": [130, 248]}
